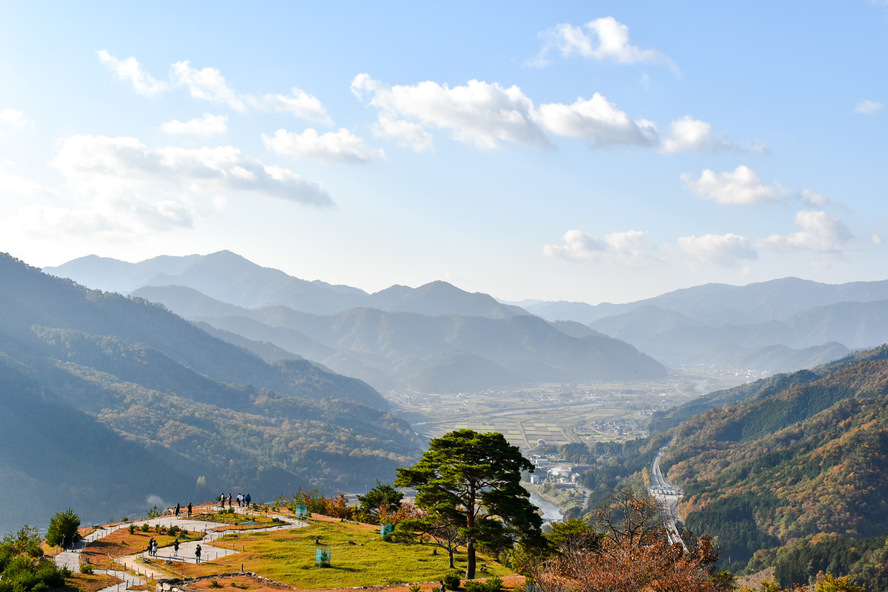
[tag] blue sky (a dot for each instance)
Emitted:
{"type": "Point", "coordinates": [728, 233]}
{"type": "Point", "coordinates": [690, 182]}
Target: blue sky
{"type": "Point", "coordinates": [584, 151]}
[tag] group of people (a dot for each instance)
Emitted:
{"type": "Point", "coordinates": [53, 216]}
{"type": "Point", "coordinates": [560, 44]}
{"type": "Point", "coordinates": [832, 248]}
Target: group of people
{"type": "Point", "coordinates": [152, 549]}
{"type": "Point", "coordinates": [179, 509]}
{"type": "Point", "coordinates": [243, 501]}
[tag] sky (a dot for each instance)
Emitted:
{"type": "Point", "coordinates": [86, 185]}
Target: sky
{"type": "Point", "coordinates": [581, 151]}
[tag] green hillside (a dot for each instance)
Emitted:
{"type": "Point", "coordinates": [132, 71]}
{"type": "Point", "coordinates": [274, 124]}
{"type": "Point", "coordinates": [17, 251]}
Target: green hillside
{"type": "Point", "coordinates": [108, 400]}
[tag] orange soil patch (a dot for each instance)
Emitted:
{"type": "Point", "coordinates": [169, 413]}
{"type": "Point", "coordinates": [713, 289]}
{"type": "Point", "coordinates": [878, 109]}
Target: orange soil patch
{"type": "Point", "coordinates": [87, 582]}
{"type": "Point", "coordinates": [254, 584]}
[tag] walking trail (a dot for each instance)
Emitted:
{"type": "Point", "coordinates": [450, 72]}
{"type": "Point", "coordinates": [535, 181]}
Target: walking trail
{"type": "Point", "coordinates": [137, 562]}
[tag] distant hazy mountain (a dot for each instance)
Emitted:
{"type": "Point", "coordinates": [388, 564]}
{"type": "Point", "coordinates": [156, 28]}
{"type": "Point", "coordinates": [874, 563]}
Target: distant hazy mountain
{"type": "Point", "coordinates": [440, 353]}
{"type": "Point", "coordinates": [432, 338]}
{"type": "Point", "coordinates": [106, 400]}
{"type": "Point", "coordinates": [775, 326]}
{"type": "Point", "coordinates": [230, 278]}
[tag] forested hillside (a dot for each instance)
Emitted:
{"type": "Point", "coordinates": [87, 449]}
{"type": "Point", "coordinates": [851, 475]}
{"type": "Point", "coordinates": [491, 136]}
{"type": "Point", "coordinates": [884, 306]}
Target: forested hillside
{"type": "Point", "coordinates": [789, 472]}
{"type": "Point", "coordinates": [107, 400]}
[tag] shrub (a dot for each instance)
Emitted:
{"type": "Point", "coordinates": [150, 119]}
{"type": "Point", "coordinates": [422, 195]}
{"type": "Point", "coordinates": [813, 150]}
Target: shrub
{"type": "Point", "coordinates": [145, 527]}
{"type": "Point", "coordinates": [215, 584]}
{"type": "Point", "coordinates": [451, 581]}
{"type": "Point", "coordinates": [414, 588]}
{"type": "Point", "coordinates": [62, 528]}
{"type": "Point", "coordinates": [86, 568]}
{"type": "Point", "coordinates": [493, 584]}
{"type": "Point", "coordinates": [132, 529]}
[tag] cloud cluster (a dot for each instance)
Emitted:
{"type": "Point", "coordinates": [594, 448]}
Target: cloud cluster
{"type": "Point", "coordinates": [103, 164]}
{"type": "Point", "coordinates": [334, 147]}
{"type": "Point", "coordinates": [603, 39]}
{"type": "Point", "coordinates": [820, 233]}
{"type": "Point", "coordinates": [488, 115]}
{"type": "Point", "coordinates": [743, 186]}
{"type": "Point", "coordinates": [626, 247]}
{"type": "Point", "coordinates": [208, 84]}
{"type": "Point", "coordinates": [119, 186]}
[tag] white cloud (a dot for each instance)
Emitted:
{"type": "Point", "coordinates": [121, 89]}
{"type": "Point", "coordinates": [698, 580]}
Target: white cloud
{"type": "Point", "coordinates": [596, 120]}
{"type": "Point", "coordinates": [722, 249]}
{"type": "Point", "coordinates": [868, 107]}
{"type": "Point", "coordinates": [14, 119]}
{"type": "Point", "coordinates": [118, 166]}
{"type": "Point", "coordinates": [743, 186]}
{"type": "Point", "coordinates": [692, 135]}
{"type": "Point", "coordinates": [336, 147]}
{"type": "Point", "coordinates": [208, 125]}
{"type": "Point", "coordinates": [819, 233]}
{"type": "Point", "coordinates": [812, 198]}
{"type": "Point", "coordinates": [626, 247]}
{"type": "Point", "coordinates": [406, 133]}
{"type": "Point", "coordinates": [479, 113]}
{"type": "Point", "coordinates": [299, 103]}
{"type": "Point", "coordinates": [130, 70]}
{"type": "Point", "coordinates": [603, 39]}
{"type": "Point", "coordinates": [208, 84]}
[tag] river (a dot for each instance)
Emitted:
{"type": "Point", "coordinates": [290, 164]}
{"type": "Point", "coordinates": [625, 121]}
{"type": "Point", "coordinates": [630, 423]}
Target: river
{"type": "Point", "coordinates": [550, 511]}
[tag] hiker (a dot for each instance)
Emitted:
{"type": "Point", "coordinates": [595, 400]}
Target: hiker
{"type": "Point", "coordinates": [248, 499]}
{"type": "Point", "coordinates": [176, 547]}
{"type": "Point", "coordinates": [222, 497]}
{"type": "Point", "coordinates": [442, 585]}
{"type": "Point", "coordinates": [178, 508]}
{"type": "Point", "coordinates": [150, 546]}
{"type": "Point", "coordinates": [189, 509]}
{"type": "Point", "coordinates": [229, 500]}
{"type": "Point", "coordinates": [197, 554]}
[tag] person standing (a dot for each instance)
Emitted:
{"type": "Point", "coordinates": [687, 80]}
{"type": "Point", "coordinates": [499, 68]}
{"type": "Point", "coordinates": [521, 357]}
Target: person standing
{"type": "Point", "coordinates": [178, 509]}
{"type": "Point", "coordinates": [189, 509]}
{"type": "Point", "coordinates": [176, 547]}
{"type": "Point", "coordinates": [197, 553]}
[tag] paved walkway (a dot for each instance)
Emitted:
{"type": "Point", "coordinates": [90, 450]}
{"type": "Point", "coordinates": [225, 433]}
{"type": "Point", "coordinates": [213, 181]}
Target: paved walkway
{"type": "Point", "coordinates": [213, 531]}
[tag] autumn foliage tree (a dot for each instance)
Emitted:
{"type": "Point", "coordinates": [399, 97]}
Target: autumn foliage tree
{"type": "Point", "coordinates": [633, 554]}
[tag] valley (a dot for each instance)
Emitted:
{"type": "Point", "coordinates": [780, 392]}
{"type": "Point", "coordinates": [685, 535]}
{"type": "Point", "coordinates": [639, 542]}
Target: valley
{"type": "Point", "coordinates": [557, 414]}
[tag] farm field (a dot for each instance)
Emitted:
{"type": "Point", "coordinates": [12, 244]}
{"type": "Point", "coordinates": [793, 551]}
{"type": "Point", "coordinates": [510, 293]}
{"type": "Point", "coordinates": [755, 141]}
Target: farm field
{"type": "Point", "coordinates": [554, 414]}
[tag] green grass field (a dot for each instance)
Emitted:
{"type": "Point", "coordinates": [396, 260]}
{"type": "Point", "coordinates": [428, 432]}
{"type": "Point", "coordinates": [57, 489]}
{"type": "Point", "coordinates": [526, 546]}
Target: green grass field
{"type": "Point", "coordinates": [359, 557]}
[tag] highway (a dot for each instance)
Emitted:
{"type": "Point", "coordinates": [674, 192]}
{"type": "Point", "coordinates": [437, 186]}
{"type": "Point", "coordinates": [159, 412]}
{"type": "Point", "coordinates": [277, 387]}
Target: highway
{"type": "Point", "coordinates": [667, 497]}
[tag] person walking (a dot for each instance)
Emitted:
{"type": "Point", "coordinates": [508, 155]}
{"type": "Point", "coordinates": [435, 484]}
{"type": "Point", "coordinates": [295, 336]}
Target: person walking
{"type": "Point", "coordinates": [176, 547]}
{"type": "Point", "coordinates": [178, 509]}
{"type": "Point", "coordinates": [197, 553]}
{"type": "Point", "coordinates": [189, 509]}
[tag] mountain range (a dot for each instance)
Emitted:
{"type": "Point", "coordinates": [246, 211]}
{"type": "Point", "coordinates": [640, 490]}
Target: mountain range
{"type": "Point", "coordinates": [109, 402]}
{"type": "Point", "coordinates": [775, 326]}
{"type": "Point", "coordinates": [435, 338]}
{"type": "Point", "coordinates": [769, 327]}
